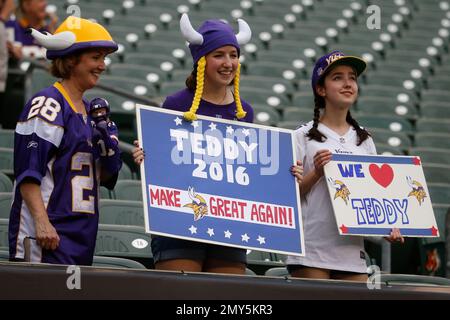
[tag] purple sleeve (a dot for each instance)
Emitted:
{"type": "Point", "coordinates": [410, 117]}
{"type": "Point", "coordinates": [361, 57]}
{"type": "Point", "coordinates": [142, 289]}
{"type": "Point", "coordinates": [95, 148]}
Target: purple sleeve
{"type": "Point", "coordinates": [249, 110]}
{"type": "Point", "coordinates": [37, 137]}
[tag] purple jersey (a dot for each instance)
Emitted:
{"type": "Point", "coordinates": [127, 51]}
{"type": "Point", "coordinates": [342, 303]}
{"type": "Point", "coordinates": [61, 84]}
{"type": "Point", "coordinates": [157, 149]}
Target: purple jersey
{"type": "Point", "coordinates": [182, 100]}
{"type": "Point", "coordinates": [21, 33]}
{"type": "Point", "coordinates": [53, 145]}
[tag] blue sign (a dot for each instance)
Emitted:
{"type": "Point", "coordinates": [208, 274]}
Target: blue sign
{"type": "Point", "coordinates": [219, 181]}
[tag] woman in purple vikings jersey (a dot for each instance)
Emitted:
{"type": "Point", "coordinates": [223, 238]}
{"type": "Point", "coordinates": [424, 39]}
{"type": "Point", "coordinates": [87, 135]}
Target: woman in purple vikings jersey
{"type": "Point", "coordinates": [215, 50]}
{"type": "Point", "coordinates": [54, 216]}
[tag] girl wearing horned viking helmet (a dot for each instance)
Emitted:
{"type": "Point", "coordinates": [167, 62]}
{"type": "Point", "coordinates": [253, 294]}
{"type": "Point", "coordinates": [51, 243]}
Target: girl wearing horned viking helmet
{"type": "Point", "coordinates": [212, 90]}
{"type": "Point", "coordinates": [57, 167]}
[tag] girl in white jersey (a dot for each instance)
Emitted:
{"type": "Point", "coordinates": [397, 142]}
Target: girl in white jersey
{"type": "Point", "coordinates": [327, 254]}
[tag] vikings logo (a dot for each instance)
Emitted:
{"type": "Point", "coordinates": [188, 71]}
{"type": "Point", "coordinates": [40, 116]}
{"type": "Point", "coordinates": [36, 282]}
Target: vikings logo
{"type": "Point", "coordinates": [198, 204]}
{"type": "Point", "coordinates": [417, 190]}
{"type": "Point", "coordinates": [341, 189]}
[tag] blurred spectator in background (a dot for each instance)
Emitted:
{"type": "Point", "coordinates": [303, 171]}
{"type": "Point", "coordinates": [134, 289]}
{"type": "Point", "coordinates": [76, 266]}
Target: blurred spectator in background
{"type": "Point", "coordinates": [6, 8]}
{"type": "Point", "coordinates": [29, 14]}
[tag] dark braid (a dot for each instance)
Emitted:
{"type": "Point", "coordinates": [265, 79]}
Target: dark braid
{"type": "Point", "coordinates": [314, 133]}
{"type": "Point", "coordinates": [362, 133]}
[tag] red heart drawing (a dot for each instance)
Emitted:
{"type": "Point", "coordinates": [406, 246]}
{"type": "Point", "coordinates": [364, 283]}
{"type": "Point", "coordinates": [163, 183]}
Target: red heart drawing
{"type": "Point", "coordinates": [383, 176]}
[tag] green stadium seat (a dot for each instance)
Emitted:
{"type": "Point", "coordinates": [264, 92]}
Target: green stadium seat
{"type": "Point", "coordinates": [6, 138]}
{"type": "Point", "coordinates": [249, 272]}
{"type": "Point", "coordinates": [6, 160]}
{"type": "Point", "coordinates": [304, 100]}
{"type": "Point", "coordinates": [385, 106]}
{"type": "Point", "coordinates": [398, 140]}
{"type": "Point", "coordinates": [105, 193]}
{"type": "Point", "coordinates": [121, 212]}
{"type": "Point", "coordinates": [6, 199]}
{"type": "Point", "coordinates": [439, 193]}
{"type": "Point", "coordinates": [393, 123]}
{"type": "Point", "coordinates": [4, 255]}
{"type": "Point", "coordinates": [435, 95]}
{"type": "Point", "coordinates": [438, 112]}
{"type": "Point", "coordinates": [125, 172]}
{"type": "Point", "coordinates": [292, 125]}
{"type": "Point", "coordinates": [432, 140]}
{"type": "Point", "coordinates": [5, 183]}
{"type": "Point", "coordinates": [133, 86]}
{"type": "Point", "coordinates": [299, 115]}
{"type": "Point", "coordinates": [128, 190]}
{"type": "Point", "coordinates": [439, 83]}
{"type": "Point", "coordinates": [4, 242]}
{"type": "Point", "coordinates": [142, 73]}
{"type": "Point", "coordinates": [431, 155]}
{"type": "Point", "coordinates": [40, 79]}
{"type": "Point", "coordinates": [112, 262]}
{"type": "Point", "coordinates": [265, 115]}
{"type": "Point", "coordinates": [123, 242]}
{"type": "Point", "coordinates": [151, 60]}
{"type": "Point", "coordinates": [412, 279]}
{"type": "Point", "coordinates": [277, 272]}
{"type": "Point", "coordinates": [260, 261]}
{"type": "Point", "coordinates": [261, 96]}
{"type": "Point", "coordinates": [388, 150]}
{"type": "Point", "coordinates": [438, 173]}
{"type": "Point", "coordinates": [441, 125]}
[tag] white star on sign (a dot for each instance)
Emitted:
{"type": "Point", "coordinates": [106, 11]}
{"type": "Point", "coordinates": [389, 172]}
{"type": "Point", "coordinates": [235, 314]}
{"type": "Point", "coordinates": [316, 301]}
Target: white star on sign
{"type": "Point", "coordinates": [261, 240]}
{"type": "Point", "coordinates": [193, 229]}
{"type": "Point", "coordinates": [210, 232]}
{"type": "Point", "coordinates": [212, 126]}
{"type": "Point", "coordinates": [245, 237]}
{"type": "Point", "coordinates": [178, 121]}
{"type": "Point", "coordinates": [230, 130]}
{"type": "Point", "coordinates": [246, 132]}
{"type": "Point", "coordinates": [228, 234]}
{"type": "Point", "coordinates": [194, 124]}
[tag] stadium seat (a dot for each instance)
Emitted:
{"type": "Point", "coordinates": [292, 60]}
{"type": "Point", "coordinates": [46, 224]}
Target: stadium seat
{"type": "Point", "coordinates": [7, 160]}
{"type": "Point", "coordinates": [437, 111]}
{"type": "Point", "coordinates": [437, 173]}
{"type": "Point", "coordinates": [385, 106]}
{"type": "Point", "coordinates": [6, 138]}
{"type": "Point", "coordinates": [105, 193]}
{"type": "Point", "coordinates": [300, 115]}
{"type": "Point", "coordinates": [128, 190]}
{"type": "Point", "coordinates": [131, 85]}
{"type": "Point", "coordinates": [265, 115]}
{"type": "Point", "coordinates": [392, 123]}
{"type": "Point", "coordinates": [277, 272]}
{"type": "Point", "coordinates": [4, 242]}
{"type": "Point", "coordinates": [123, 241]}
{"type": "Point", "coordinates": [440, 125]}
{"type": "Point", "coordinates": [412, 279]}
{"type": "Point", "coordinates": [112, 262]}
{"type": "Point", "coordinates": [125, 172]}
{"type": "Point", "coordinates": [432, 140]}
{"type": "Point", "coordinates": [431, 155]}
{"type": "Point", "coordinates": [5, 183]}
{"type": "Point", "coordinates": [439, 193]}
{"type": "Point", "coordinates": [6, 199]}
{"type": "Point", "coordinates": [4, 255]}
{"type": "Point", "coordinates": [121, 212]}
{"type": "Point", "coordinates": [249, 272]}
{"type": "Point", "coordinates": [394, 139]}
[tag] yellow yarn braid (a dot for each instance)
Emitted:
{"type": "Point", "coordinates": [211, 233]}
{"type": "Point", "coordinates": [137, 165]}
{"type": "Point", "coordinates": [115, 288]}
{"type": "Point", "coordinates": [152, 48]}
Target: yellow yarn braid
{"type": "Point", "coordinates": [190, 115]}
{"type": "Point", "coordinates": [240, 113]}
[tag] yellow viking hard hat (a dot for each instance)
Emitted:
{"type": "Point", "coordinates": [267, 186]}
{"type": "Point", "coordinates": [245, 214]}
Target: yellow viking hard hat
{"type": "Point", "coordinates": [72, 35]}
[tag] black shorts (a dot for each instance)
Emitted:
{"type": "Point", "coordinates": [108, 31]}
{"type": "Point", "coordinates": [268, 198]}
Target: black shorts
{"type": "Point", "coordinates": [164, 248]}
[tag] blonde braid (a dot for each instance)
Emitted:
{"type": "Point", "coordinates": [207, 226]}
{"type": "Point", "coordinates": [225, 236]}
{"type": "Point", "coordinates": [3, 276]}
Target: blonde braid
{"type": "Point", "coordinates": [240, 113]}
{"type": "Point", "coordinates": [190, 115]}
